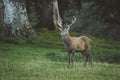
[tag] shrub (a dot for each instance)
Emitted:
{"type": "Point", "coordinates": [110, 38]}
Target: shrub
{"type": "Point", "coordinates": [59, 57]}
{"type": "Point", "coordinates": [62, 57]}
{"type": "Point", "coordinates": [106, 55]}
{"type": "Point", "coordinates": [86, 22]}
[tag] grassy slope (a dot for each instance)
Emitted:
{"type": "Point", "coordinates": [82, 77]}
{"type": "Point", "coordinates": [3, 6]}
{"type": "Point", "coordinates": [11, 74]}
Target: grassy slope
{"type": "Point", "coordinates": [23, 61]}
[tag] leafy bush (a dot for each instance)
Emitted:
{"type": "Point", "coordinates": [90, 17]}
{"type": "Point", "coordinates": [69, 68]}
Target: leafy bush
{"type": "Point", "coordinates": [62, 57]}
{"type": "Point", "coordinates": [106, 55]}
{"type": "Point", "coordinates": [104, 51]}
{"type": "Point", "coordinates": [99, 55]}
{"type": "Point", "coordinates": [108, 31]}
{"type": "Point", "coordinates": [86, 22]}
{"type": "Point", "coordinates": [56, 56]}
{"type": "Point", "coordinates": [89, 23]}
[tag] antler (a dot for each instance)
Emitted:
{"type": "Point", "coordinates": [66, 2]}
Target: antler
{"type": "Point", "coordinates": [56, 15]}
{"type": "Point", "coordinates": [59, 24]}
{"type": "Point", "coordinates": [73, 21]}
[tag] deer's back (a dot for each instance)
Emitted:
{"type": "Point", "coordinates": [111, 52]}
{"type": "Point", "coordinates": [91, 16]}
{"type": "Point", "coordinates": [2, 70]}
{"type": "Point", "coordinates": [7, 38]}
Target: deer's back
{"type": "Point", "coordinates": [80, 43]}
{"type": "Point", "coordinates": [87, 41]}
{"type": "Point", "coordinates": [77, 44]}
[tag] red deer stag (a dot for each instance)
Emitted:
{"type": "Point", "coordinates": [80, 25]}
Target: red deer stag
{"type": "Point", "coordinates": [73, 44]}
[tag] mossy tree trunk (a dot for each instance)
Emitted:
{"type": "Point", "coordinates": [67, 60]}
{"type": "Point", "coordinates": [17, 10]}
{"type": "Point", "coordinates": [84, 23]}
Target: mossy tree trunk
{"type": "Point", "coordinates": [1, 13]}
{"type": "Point", "coordinates": [16, 22]}
{"type": "Point", "coordinates": [47, 10]}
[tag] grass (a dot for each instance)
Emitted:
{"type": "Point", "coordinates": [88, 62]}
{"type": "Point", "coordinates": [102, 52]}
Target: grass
{"type": "Point", "coordinates": [32, 60]}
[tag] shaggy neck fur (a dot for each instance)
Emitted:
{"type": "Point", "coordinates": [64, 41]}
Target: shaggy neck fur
{"type": "Point", "coordinates": [67, 40]}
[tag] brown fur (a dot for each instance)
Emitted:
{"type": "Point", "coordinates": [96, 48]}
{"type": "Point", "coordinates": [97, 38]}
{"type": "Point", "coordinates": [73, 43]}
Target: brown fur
{"type": "Point", "coordinates": [81, 44]}
{"type": "Point", "coordinates": [73, 44]}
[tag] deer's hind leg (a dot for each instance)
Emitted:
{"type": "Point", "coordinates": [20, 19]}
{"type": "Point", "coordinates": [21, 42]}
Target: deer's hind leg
{"type": "Point", "coordinates": [89, 56]}
{"type": "Point", "coordinates": [84, 58]}
{"type": "Point", "coordinates": [90, 59]}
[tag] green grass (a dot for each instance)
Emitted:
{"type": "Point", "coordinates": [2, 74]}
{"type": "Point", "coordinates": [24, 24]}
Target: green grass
{"type": "Point", "coordinates": [45, 59]}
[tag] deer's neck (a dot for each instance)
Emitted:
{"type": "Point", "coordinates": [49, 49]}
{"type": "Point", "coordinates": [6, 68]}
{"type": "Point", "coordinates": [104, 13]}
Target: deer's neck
{"type": "Point", "coordinates": [67, 40]}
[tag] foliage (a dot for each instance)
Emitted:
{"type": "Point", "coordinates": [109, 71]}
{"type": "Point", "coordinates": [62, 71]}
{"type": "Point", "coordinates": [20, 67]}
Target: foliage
{"type": "Point", "coordinates": [42, 58]}
{"type": "Point", "coordinates": [108, 31]}
{"type": "Point", "coordinates": [86, 21]}
{"type": "Point", "coordinates": [102, 51]}
{"type": "Point", "coordinates": [89, 22]}
{"type": "Point", "coordinates": [108, 10]}
{"type": "Point", "coordinates": [97, 17]}
{"type": "Point", "coordinates": [100, 18]}
{"type": "Point", "coordinates": [57, 57]}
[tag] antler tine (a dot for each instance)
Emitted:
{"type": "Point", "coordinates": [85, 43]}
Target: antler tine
{"type": "Point", "coordinates": [59, 24]}
{"type": "Point", "coordinates": [73, 21]}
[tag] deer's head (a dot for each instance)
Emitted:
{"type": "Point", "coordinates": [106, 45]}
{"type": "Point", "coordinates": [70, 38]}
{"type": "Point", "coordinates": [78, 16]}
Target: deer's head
{"type": "Point", "coordinates": [64, 29]}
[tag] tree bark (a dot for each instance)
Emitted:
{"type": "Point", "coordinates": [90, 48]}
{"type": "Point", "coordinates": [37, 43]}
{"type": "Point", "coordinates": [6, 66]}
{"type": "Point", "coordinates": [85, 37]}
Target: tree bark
{"type": "Point", "coordinates": [1, 14]}
{"type": "Point", "coordinates": [48, 9]}
{"type": "Point", "coordinates": [56, 14]}
{"type": "Point", "coordinates": [16, 22]}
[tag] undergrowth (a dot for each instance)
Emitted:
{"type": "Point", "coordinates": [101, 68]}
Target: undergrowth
{"type": "Point", "coordinates": [45, 58]}
{"type": "Point", "coordinates": [102, 50]}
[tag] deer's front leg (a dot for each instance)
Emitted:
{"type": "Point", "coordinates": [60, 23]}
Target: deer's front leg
{"type": "Point", "coordinates": [70, 59]}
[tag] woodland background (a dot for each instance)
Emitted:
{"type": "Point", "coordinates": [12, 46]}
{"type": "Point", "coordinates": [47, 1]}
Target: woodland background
{"type": "Point", "coordinates": [99, 18]}
{"type": "Point", "coordinates": [31, 47]}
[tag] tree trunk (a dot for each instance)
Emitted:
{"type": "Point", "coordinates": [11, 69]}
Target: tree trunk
{"type": "Point", "coordinates": [48, 9]}
{"type": "Point", "coordinates": [16, 22]}
{"type": "Point", "coordinates": [1, 14]}
{"type": "Point", "coordinates": [56, 14]}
